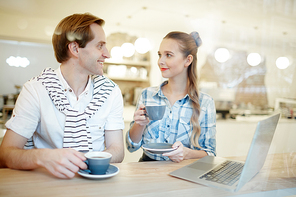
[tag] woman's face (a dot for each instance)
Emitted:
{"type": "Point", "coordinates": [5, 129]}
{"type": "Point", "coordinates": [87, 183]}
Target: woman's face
{"type": "Point", "coordinates": [172, 62]}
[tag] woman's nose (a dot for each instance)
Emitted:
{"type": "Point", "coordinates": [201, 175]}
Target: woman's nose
{"type": "Point", "coordinates": [160, 61]}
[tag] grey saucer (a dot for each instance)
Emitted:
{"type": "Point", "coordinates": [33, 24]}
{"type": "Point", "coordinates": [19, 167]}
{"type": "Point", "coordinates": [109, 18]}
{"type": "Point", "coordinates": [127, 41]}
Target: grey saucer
{"type": "Point", "coordinates": [112, 171]}
{"type": "Point", "coordinates": [158, 148]}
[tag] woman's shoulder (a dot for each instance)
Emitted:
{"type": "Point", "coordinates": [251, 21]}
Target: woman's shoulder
{"type": "Point", "coordinates": [151, 90]}
{"type": "Point", "coordinates": [205, 99]}
{"type": "Point", "coordinates": [203, 95]}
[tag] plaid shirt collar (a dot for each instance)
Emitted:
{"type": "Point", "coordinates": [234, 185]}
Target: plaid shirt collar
{"type": "Point", "coordinates": [158, 92]}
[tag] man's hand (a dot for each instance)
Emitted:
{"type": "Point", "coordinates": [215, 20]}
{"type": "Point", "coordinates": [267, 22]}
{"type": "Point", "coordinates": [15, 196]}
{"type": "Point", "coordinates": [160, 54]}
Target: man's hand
{"type": "Point", "coordinates": [62, 163]}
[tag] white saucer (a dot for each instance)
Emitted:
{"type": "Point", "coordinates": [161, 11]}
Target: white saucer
{"type": "Point", "coordinates": [112, 171]}
{"type": "Point", "coordinates": [158, 148]}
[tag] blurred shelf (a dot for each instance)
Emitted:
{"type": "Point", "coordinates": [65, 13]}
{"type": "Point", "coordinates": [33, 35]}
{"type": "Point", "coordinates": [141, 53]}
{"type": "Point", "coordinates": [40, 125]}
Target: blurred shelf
{"type": "Point", "coordinates": [129, 63]}
{"type": "Point", "coordinates": [127, 79]}
{"type": "Point", "coordinates": [130, 76]}
{"type": "Point", "coordinates": [250, 112]}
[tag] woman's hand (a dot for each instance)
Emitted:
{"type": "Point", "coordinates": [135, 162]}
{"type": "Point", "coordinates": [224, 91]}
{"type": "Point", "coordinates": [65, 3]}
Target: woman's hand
{"type": "Point", "coordinates": [179, 154]}
{"type": "Point", "coordinates": [140, 116]}
{"type": "Point", "coordinates": [141, 121]}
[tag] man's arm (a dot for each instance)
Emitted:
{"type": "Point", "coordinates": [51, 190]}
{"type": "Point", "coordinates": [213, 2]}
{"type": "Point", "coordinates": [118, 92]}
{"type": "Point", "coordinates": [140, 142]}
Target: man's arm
{"type": "Point", "coordinates": [114, 145]}
{"type": "Point", "coordinates": [62, 163]}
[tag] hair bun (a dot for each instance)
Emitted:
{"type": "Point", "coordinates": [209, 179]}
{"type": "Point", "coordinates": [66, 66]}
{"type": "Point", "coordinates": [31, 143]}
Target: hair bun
{"type": "Point", "coordinates": [196, 38]}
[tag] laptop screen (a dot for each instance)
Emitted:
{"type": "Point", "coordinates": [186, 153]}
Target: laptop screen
{"type": "Point", "coordinates": [258, 149]}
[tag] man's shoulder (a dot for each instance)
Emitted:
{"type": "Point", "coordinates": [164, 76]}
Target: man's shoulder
{"type": "Point", "coordinates": [101, 79]}
{"type": "Point", "coordinates": [110, 81]}
{"type": "Point", "coordinates": [46, 73]}
{"type": "Point", "coordinates": [34, 82]}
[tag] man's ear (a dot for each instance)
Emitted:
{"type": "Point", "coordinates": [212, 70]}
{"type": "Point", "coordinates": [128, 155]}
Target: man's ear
{"type": "Point", "coordinates": [73, 48]}
{"type": "Point", "coordinates": [189, 60]}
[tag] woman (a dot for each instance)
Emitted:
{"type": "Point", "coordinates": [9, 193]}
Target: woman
{"type": "Point", "coordinates": [189, 122]}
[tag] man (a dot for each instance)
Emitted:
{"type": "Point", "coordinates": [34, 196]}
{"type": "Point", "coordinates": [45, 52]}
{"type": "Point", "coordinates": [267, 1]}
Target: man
{"type": "Point", "coordinates": [64, 112]}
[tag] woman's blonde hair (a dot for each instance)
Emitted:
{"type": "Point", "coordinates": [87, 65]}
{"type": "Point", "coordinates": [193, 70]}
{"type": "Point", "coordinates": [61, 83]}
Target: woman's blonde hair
{"type": "Point", "coordinates": [189, 44]}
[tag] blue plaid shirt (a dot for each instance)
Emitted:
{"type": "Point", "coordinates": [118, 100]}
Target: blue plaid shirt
{"type": "Point", "coordinates": [175, 125]}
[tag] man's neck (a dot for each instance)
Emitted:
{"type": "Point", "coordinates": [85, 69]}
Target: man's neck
{"type": "Point", "coordinates": [75, 78]}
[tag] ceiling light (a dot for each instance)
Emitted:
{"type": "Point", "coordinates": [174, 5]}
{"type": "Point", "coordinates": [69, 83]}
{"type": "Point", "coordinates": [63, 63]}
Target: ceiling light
{"type": "Point", "coordinates": [128, 49]}
{"type": "Point", "coordinates": [18, 61]}
{"type": "Point", "coordinates": [222, 55]}
{"type": "Point", "coordinates": [254, 59]}
{"type": "Point", "coordinates": [282, 62]}
{"type": "Point", "coordinates": [142, 45]}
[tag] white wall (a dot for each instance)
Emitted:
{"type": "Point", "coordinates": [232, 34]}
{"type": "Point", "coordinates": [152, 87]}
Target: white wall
{"type": "Point", "coordinates": [40, 56]}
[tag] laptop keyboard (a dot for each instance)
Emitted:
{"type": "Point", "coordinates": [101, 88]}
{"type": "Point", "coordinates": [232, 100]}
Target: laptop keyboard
{"type": "Point", "coordinates": [226, 173]}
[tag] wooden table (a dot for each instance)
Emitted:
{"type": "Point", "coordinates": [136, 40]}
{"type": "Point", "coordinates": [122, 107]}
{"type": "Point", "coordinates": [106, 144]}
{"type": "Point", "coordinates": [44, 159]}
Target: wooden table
{"type": "Point", "coordinates": [146, 179]}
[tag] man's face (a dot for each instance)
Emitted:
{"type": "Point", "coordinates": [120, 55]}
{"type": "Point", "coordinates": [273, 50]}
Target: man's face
{"type": "Point", "coordinates": [93, 55]}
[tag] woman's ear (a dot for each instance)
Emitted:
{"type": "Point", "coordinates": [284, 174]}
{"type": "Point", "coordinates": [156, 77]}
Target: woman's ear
{"type": "Point", "coordinates": [189, 60]}
{"type": "Point", "coordinates": [73, 48]}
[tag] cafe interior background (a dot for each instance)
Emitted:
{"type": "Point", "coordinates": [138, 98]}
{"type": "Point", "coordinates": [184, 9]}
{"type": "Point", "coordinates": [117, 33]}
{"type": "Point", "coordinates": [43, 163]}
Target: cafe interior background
{"type": "Point", "coordinates": [246, 62]}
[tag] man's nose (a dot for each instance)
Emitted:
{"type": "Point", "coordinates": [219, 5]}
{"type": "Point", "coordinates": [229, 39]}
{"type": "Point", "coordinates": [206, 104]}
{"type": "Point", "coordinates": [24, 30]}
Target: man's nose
{"type": "Point", "coordinates": [106, 53]}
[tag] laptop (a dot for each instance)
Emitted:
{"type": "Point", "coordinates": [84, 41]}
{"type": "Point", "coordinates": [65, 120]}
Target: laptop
{"type": "Point", "coordinates": [228, 174]}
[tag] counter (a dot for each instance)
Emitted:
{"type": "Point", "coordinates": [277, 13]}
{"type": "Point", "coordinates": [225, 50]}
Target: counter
{"type": "Point", "coordinates": [234, 137]}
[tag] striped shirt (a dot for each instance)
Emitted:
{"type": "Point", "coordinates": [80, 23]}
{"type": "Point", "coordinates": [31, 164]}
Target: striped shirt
{"type": "Point", "coordinates": [175, 125]}
{"type": "Point", "coordinates": [35, 114]}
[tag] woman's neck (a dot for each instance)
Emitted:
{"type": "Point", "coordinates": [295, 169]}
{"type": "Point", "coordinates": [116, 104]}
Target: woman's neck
{"type": "Point", "coordinates": [175, 90]}
{"type": "Point", "coordinates": [177, 87]}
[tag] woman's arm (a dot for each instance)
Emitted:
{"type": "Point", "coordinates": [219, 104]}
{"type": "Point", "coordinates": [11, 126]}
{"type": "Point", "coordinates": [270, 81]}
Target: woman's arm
{"type": "Point", "coordinates": [207, 137]}
{"type": "Point", "coordinates": [138, 127]}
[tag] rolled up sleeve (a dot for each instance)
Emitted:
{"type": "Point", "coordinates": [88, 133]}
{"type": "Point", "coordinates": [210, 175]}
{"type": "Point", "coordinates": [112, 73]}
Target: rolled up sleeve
{"type": "Point", "coordinates": [26, 113]}
{"type": "Point", "coordinates": [207, 139]}
{"type": "Point", "coordinates": [132, 146]}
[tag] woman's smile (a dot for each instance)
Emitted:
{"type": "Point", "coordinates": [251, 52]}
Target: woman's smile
{"type": "Point", "coordinates": [163, 69]}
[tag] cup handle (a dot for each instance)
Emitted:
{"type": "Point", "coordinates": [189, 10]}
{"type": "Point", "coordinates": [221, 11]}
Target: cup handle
{"type": "Point", "coordinates": [86, 170]}
{"type": "Point", "coordinates": [86, 162]}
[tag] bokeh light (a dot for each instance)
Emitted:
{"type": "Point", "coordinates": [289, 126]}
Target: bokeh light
{"type": "Point", "coordinates": [222, 55]}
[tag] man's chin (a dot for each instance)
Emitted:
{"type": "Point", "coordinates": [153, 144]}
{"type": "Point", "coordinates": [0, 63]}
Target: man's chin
{"type": "Point", "coordinates": [100, 73]}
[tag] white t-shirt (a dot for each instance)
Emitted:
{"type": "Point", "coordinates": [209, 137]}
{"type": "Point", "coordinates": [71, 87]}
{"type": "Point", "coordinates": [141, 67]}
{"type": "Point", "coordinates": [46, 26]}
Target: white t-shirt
{"type": "Point", "coordinates": [36, 115]}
